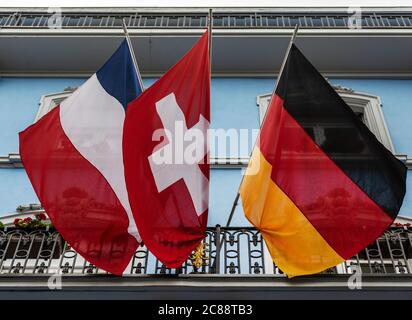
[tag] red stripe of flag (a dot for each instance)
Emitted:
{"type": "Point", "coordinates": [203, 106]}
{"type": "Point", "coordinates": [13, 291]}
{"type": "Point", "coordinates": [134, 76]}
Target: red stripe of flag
{"type": "Point", "coordinates": [94, 224]}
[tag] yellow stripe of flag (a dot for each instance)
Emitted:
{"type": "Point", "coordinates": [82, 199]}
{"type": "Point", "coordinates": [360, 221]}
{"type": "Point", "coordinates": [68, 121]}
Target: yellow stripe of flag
{"type": "Point", "coordinates": [294, 244]}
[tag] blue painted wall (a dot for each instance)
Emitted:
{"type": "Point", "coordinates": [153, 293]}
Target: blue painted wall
{"type": "Point", "coordinates": [19, 104]}
{"type": "Point", "coordinates": [233, 106]}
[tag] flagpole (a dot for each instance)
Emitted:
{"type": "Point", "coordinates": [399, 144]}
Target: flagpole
{"type": "Point", "coordinates": [209, 28]}
{"type": "Point", "coordinates": [129, 43]}
{"type": "Point", "coordinates": [291, 42]}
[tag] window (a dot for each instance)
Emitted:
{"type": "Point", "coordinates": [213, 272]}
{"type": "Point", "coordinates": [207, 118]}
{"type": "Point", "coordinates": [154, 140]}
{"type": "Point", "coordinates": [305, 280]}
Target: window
{"type": "Point", "coordinates": [367, 107]}
{"type": "Point", "coordinates": [50, 101]}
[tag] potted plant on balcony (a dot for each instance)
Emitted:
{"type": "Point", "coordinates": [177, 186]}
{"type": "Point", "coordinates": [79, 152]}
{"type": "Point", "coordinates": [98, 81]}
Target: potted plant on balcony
{"type": "Point", "coordinates": [32, 224]}
{"type": "Point", "coordinates": [30, 238]}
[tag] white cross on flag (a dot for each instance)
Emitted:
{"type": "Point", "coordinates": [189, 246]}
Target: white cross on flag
{"type": "Point", "coordinates": [165, 151]}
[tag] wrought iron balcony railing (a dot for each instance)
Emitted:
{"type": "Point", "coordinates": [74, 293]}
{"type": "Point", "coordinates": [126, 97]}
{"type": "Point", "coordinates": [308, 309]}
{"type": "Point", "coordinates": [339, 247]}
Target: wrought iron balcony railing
{"type": "Point", "coordinates": [242, 251]}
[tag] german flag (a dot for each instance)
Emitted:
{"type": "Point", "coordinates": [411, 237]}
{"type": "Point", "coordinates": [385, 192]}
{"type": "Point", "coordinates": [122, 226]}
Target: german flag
{"type": "Point", "coordinates": [325, 187]}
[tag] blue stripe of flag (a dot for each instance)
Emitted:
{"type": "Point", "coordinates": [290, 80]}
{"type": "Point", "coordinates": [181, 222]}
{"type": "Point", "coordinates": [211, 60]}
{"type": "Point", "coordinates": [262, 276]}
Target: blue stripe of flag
{"type": "Point", "coordinates": [118, 76]}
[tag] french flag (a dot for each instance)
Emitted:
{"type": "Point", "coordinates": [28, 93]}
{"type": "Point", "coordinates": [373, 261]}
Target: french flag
{"type": "Point", "coordinates": [74, 159]}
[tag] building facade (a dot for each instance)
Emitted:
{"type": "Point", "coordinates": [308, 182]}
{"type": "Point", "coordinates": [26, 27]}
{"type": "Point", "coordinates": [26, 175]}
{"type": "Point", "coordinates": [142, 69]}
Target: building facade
{"type": "Point", "coordinates": [45, 55]}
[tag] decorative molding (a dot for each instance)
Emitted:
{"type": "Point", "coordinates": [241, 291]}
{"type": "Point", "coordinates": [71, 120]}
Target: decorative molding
{"type": "Point", "coordinates": [29, 207]}
{"type": "Point", "coordinates": [341, 89]}
{"type": "Point", "coordinates": [403, 220]}
{"type": "Point", "coordinates": [50, 101]}
{"type": "Point", "coordinates": [369, 106]}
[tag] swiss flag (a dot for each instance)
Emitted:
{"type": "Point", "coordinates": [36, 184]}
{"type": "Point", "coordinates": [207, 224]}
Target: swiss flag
{"type": "Point", "coordinates": [165, 151]}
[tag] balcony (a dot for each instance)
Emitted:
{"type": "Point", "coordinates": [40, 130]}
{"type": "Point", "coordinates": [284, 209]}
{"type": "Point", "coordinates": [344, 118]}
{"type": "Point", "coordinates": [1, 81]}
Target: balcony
{"type": "Point", "coordinates": [246, 41]}
{"type": "Point", "coordinates": [197, 18]}
{"type": "Point", "coordinates": [241, 252]}
{"type": "Point", "coordinates": [243, 266]}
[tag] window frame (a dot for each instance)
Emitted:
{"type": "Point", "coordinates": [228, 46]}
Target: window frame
{"type": "Point", "coordinates": [50, 101]}
{"type": "Point", "coordinates": [370, 106]}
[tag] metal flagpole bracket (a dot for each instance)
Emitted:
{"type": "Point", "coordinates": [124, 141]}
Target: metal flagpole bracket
{"type": "Point", "coordinates": [129, 43]}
